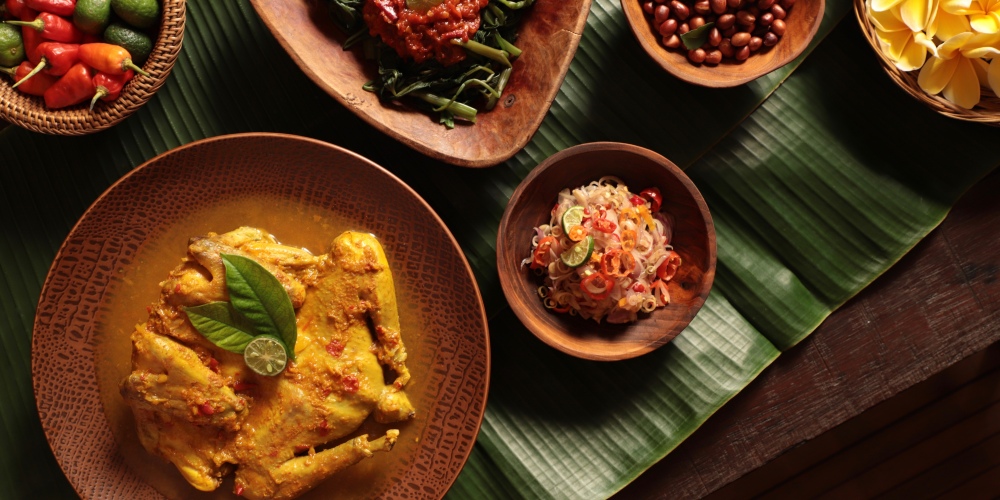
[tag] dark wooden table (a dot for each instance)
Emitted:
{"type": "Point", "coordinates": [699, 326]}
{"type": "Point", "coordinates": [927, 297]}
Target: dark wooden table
{"type": "Point", "coordinates": [936, 307]}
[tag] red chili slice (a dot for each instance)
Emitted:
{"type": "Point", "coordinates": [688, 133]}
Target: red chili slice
{"type": "Point", "coordinates": [655, 198]}
{"type": "Point", "coordinates": [604, 225]}
{"type": "Point", "coordinates": [538, 260]}
{"type": "Point", "coordinates": [597, 286]}
{"type": "Point", "coordinates": [668, 269]}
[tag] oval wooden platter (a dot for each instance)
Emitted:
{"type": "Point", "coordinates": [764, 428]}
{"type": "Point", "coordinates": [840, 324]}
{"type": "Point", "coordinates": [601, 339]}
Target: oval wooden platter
{"type": "Point", "coordinates": [549, 35]}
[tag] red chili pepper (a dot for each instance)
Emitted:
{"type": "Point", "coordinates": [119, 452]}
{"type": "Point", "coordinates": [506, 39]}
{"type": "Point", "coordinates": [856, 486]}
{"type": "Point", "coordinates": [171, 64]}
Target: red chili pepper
{"type": "Point", "coordinates": [639, 287]}
{"type": "Point", "coordinates": [74, 87]}
{"type": "Point", "coordinates": [654, 197]}
{"type": "Point", "coordinates": [206, 409]}
{"type": "Point", "coordinates": [36, 85]}
{"type": "Point", "coordinates": [637, 200]}
{"type": "Point", "coordinates": [108, 58]}
{"type": "Point", "coordinates": [351, 384]}
{"type": "Point", "coordinates": [244, 386]}
{"type": "Point", "coordinates": [668, 269]}
{"type": "Point", "coordinates": [597, 286]}
{"type": "Point", "coordinates": [54, 58]}
{"type": "Point", "coordinates": [15, 8]}
{"type": "Point", "coordinates": [388, 11]}
{"type": "Point", "coordinates": [30, 37]}
{"type": "Point", "coordinates": [58, 57]}
{"type": "Point", "coordinates": [335, 348]}
{"type": "Point", "coordinates": [57, 7]}
{"type": "Point", "coordinates": [238, 490]}
{"type": "Point", "coordinates": [53, 27]}
{"type": "Point", "coordinates": [541, 251]}
{"type": "Point", "coordinates": [109, 87]}
{"type": "Point", "coordinates": [604, 225]}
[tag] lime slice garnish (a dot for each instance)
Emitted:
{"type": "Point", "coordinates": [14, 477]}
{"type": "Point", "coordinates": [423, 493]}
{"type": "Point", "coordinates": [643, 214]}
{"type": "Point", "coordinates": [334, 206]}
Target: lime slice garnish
{"type": "Point", "coordinates": [265, 355]}
{"type": "Point", "coordinates": [572, 217]}
{"type": "Point", "coordinates": [579, 253]}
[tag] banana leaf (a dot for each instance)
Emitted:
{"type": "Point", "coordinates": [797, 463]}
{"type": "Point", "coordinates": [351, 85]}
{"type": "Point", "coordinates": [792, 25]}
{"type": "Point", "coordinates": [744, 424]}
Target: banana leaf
{"type": "Point", "coordinates": [815, 175]}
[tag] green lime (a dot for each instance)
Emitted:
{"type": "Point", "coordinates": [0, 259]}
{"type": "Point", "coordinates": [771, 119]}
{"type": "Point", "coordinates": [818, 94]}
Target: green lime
{"type": "Point", "coordinates": [422, 5]}
{"type": "Point", "coordinates": [137, 43]}
{"type": "Point", "coordinates": [11, 45]}
{"type": "Point", "coordinates": [265, 355]}
{"type": "Point", "coordinates": [572, 217]}
{"type": "Point", "coordinates": [92, 16]}
{"type": "Point", "coordinates": [578, 253]}
{"type": "Point", "coordinates": [138, 13]}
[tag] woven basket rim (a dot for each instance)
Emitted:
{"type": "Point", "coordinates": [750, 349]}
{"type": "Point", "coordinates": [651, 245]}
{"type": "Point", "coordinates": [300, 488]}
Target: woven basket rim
{"type": "Point", "coordinates": [30, 112]}
{"type": "Point", "coordinates": [986, 112]}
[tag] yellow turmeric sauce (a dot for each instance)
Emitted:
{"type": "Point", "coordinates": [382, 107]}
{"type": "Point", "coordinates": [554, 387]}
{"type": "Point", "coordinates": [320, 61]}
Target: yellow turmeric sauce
{"type": "Point", "coordinates": [138, 286]}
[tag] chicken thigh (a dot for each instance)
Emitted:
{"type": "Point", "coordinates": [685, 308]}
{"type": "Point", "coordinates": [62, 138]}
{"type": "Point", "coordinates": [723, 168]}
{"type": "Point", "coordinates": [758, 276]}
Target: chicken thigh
{"type": "Point", "coordinates": [204, 410]}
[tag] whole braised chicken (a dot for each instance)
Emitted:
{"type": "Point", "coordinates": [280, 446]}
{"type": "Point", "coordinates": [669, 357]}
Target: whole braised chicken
{"type": "Point", "coordinates": [202, 408]}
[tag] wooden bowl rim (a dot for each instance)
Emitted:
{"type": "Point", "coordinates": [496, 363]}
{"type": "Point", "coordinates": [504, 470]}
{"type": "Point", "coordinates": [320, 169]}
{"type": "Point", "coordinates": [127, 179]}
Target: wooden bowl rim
{"type": "Point", "coordinates": [507, 279]}
{"type": "Point", "coordinates": [414, 138]}
{"type": "Point", "coordinates": [710, 78]}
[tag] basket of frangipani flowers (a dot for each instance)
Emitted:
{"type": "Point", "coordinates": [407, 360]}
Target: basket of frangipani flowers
{"type": "Point", "coordinates": [946, 53]}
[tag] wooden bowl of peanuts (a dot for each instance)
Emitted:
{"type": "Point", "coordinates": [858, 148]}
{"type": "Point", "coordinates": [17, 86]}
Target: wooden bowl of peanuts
{"type": "Point", "coordinates": [723, 43]}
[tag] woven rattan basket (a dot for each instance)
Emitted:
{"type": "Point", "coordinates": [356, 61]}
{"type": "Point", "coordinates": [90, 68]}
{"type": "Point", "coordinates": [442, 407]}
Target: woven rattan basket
{"type": "Point", "coordinates": [30, 112]}
{"type": "Point", "coordinates": [987, 111]}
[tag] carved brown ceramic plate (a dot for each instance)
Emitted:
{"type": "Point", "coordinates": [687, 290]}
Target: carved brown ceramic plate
{"type": "Point", "coordinates": [693, 238]}
{"type": "Point", "coordinates": [549, 35]}
{"type": "Point", "coordinates": [305, 192]}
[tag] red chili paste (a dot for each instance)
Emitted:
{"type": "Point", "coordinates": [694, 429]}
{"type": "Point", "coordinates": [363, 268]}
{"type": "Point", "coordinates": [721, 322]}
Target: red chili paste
{"type": "Point", "coordinates": [422, 35]}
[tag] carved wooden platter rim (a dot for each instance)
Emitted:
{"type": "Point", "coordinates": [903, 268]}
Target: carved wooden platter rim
{"type": "Point", "coordinates": [549, 35]}
{"type": "Point", "coordinates": [87, 273]}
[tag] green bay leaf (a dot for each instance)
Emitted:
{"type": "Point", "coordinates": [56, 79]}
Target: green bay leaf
{"type": "Point", "coordinates": [697, 37]}
{"type": "Point", "coordinates": [222, 325]}
{"type": "Point", "coordinates": [258, 295]}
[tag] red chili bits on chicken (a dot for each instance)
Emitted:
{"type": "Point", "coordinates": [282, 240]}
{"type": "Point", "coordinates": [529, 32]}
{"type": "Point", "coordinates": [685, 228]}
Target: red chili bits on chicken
{"type": "Point", "coordinates": [423, 29]}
